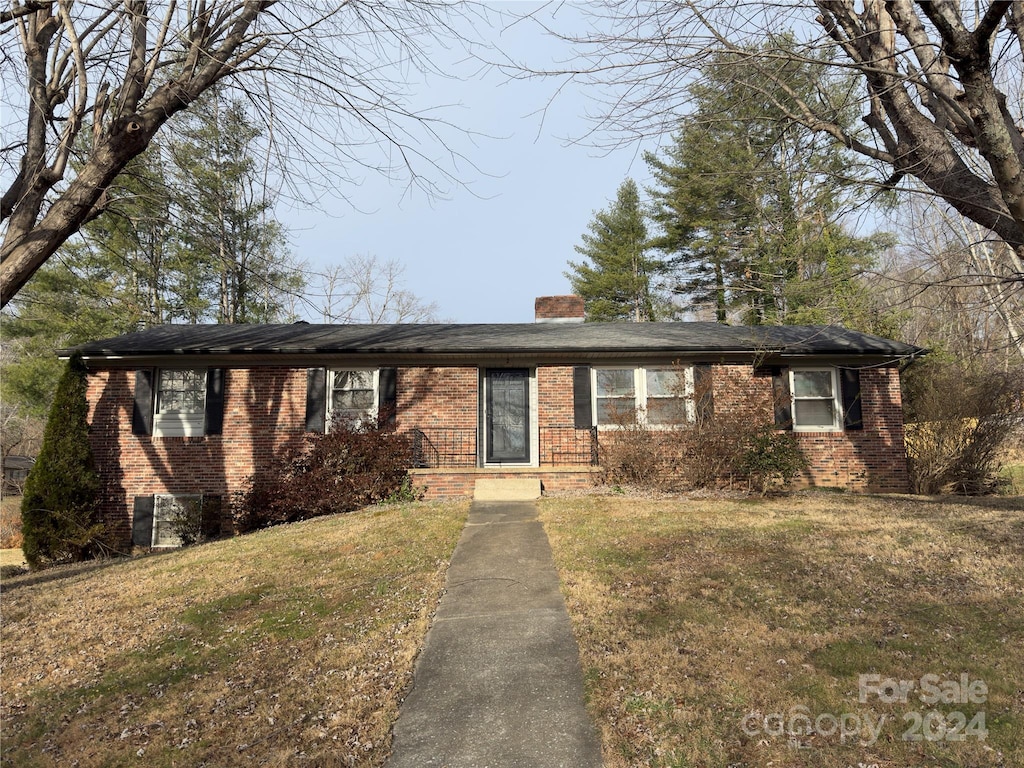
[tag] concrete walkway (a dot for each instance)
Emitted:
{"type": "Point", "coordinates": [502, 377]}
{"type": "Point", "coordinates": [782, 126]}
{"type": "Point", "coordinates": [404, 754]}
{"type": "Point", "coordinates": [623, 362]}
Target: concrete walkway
{"type": "Point", "coordinates": [498, 684]}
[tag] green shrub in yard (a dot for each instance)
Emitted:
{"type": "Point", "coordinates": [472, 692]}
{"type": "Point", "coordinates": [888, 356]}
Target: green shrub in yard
{"type": "Point", "coordinates": [353, 466]}
{"type": "Point", "coordinates": [60, 508]}
{"type": "Point", "coordinates": [771, 459]}
{"type": "Point", "coordinates": [405, 493]}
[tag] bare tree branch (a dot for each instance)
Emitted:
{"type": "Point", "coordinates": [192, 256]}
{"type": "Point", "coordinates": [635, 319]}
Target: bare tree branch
{"type": "Point", "coordinates": [363, 289]}
{"type": "Point", "coordinates": [99, 81]}
{"type": "Point", "coordinates": [934, 98]}
{"type": "Point", "coordinates": [23, 9]}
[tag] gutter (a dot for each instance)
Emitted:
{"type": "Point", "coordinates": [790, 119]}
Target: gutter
{"type": "Point", "coordinates": [911, 359]}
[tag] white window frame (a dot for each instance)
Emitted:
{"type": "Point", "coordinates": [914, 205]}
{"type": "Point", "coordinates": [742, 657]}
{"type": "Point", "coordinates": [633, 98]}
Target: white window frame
{"type": "Point", "coordinates": [837, 400]}
{"type": "Point", "coordinates": [179, 423]}
{"type": "Point", "coordinates": [164, 506]}
{"type": "Point", "coordinates": [371, 414]}
{"type": "Point", "coordinates": [640, 395]}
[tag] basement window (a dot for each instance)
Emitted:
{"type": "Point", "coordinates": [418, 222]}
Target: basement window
{"type": "Point", "coordinates": [167, 509]}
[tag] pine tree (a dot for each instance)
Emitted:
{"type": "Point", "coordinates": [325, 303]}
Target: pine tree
{"type": "Point", "coordinates": [704, 212]}
{"type": "Point", "coordinates": [59, 511]}
{"type": "Point", "coordinates": [749, 209]}
{"type": "Point", "coordinates": [615, 282]}
{"type": "Point", "coordinates": [227, 232]}
{"type": "Point", "coordinates": [186, 235]}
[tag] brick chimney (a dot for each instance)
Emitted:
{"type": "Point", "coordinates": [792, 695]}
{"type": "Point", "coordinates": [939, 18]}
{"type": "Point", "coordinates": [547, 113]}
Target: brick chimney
{"type": "Point", "coordinates": [558, 309]}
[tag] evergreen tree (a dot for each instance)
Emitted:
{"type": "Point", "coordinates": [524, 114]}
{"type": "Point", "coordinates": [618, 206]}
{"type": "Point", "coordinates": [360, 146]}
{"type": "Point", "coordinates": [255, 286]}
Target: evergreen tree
{"type": "Point", "coordinates": [186, 235]}
{"type": "Point", "coordinates": [127, 253]}
{"type": "Point", "coordinates": [749, 209]}
{"type": "Point", "coordinates": [227, 233]}
{"type": "Point", "coordinates": [702, 208]}
{"type": "Point", "coordinates": [59, 511]}
{"type": "Point", "coordinates": [615, 281]}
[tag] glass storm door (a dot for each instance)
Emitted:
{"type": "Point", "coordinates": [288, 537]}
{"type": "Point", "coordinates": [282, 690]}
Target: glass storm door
{"type": "Point", "coordinates": [508, 415]}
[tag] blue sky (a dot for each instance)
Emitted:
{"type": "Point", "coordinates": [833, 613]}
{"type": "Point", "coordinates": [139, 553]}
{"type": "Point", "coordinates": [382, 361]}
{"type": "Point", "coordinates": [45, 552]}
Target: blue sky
{"type": "Point", "coordinates": [484, 253]}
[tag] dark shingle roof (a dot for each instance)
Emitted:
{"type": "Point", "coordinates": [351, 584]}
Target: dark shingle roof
{"type": "Point", "coordinates": [523, 338]}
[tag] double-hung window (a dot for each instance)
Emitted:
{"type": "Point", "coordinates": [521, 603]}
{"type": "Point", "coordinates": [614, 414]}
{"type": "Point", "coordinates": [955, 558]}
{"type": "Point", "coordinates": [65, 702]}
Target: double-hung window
{"type": "Point", "coordinates": [654, 396]}
{"type": "Point", "coordinates": [170, 511]}
{"type": "Point", "coordinates": [816, 400]}
{"type": "Point", "coordinates": [669, 396]}
{"type": "Point", "coordinates": [615, 396]}
{"type": "Point", "coordinates": [353, 395]}
{"type": "Point", "coordinates": [180, 402]}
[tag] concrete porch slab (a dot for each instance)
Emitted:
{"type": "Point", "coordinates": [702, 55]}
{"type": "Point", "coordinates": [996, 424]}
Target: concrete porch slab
{"type": "Point", "coordinates": [507, 489]}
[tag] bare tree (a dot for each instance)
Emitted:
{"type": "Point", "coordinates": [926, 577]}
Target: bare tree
{"type": "Point", "coordinates": [21, 432]}
{"type": "Point", "coordinates": [939, 86]}
{"type": "Point", "coordinates": [364, 289]}
{"type": "Point", "coordinates": [97, 81]}
{"type": "Point", "coordinates": [939, 286]}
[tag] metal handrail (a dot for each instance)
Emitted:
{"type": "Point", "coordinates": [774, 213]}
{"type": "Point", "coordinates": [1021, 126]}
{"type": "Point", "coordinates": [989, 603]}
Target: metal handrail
{"type": "Point", "coordinates": [451, 447]}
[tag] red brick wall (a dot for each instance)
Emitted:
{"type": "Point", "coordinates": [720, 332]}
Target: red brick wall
{"type": "Point", "coordinates": [738, 388]}
{"type": "Point", "coordinates": [264, 409]}
{"type": "Point", "coordinates": [871, 459]}
{"type": "Point", "coordinates": [554, 395]}
{"type": "Point", "coordinates": [438, 397]}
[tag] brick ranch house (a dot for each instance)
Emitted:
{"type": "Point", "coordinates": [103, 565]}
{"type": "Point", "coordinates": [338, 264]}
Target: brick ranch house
{"type": "Point", "coordinates": [187, 413]}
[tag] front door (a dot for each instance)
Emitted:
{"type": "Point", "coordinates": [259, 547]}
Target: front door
{"type": "Point", "coordinates": [508, 415]}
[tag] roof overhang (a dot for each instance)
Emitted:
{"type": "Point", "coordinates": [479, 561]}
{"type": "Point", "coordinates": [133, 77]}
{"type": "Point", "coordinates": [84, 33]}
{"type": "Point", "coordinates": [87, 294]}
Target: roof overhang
{"type": "Point", "coordinates": [489, 345]}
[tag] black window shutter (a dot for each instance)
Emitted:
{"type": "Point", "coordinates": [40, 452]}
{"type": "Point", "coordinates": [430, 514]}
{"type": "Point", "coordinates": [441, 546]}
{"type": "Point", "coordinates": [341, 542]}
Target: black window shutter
{"type": "Point", "coordinates": [316, 399]}
{"type": "Point", "coordinates": [703, 389]}
{"type": "Point", "coordinates": [849, 382]}
{"type": "Point", "coordinates": [387, 394]}
{"type": "Point", "coordinates": [214, 423]}
{"type": "Point", "coordinates": [782, 398]}
{"type": "Point", "coordinates": [582, 410]}
{"type": "Point", "coordinates": [142, 413]}
{"type": "Point", "coordinates": [142, 521]}
{"type": "Point", "coordinates": [210, 516]}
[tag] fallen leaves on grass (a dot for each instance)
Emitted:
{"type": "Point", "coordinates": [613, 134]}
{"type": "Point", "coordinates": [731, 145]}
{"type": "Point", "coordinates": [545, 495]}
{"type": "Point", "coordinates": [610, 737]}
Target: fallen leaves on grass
{"type": "Point", "coordinates": [287, 647]}
{"type": "Point", "coordinates": [706, 626]}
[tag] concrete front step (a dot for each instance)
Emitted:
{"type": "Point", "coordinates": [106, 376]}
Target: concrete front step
{"type": "Point", "coordinates": [507, 489]}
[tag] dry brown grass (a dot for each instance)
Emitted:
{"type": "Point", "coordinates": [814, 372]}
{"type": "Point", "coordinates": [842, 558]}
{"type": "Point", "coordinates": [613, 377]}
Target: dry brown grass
{"type": "Point", "coordinates": [10, 522]}
{"type": "Point", "coordinates": [287, 647]}
{"type": "Point", "coordinates": [694, 615]}
{"type": "Point", "coordinates": [13, 558]}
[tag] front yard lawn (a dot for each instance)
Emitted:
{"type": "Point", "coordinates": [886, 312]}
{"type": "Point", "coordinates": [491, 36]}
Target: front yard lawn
{"type": "Point", "coordinates": [291, 646]}
{"type": "Point", "coordinates": [736, 633]}
{"type": "Point", "coordinates": [713, 632]}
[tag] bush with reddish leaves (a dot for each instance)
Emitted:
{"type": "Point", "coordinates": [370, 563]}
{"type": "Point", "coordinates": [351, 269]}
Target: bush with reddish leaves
{"type": "Point", "coordinates": [352, 466]}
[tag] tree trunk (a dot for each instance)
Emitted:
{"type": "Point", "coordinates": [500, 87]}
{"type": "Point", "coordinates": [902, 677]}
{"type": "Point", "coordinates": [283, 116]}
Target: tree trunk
{"type": "Point", "coordinates": [27, 246]}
